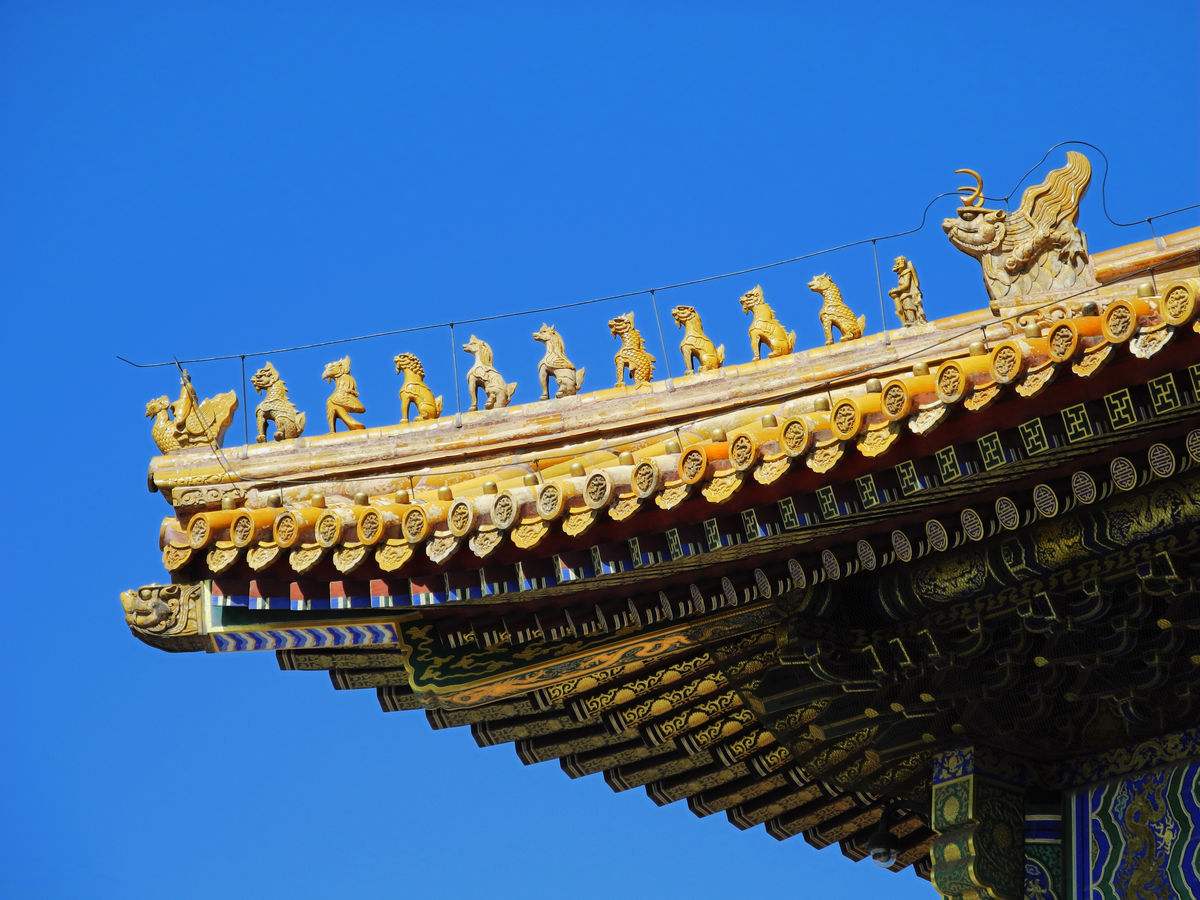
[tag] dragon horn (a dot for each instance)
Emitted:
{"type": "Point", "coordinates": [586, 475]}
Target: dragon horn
{"type": "Point", "coordinates": [972, 196]}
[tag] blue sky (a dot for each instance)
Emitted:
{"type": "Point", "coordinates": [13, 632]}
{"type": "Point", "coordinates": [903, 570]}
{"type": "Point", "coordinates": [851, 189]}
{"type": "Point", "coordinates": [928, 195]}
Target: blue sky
{"type": "Point", "coordinates": [221, 177]}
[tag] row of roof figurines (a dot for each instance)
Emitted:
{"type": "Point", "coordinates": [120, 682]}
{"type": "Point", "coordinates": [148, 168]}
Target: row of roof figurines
{"type": "Point", "coordinates": [1033, 250]}
{"type": "Point", "coordinates": [186, 423]}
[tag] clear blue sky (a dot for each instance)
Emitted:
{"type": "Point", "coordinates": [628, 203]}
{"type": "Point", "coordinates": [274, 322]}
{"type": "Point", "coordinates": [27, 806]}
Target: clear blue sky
{"type": "Point", "coordinates": [205, 178]}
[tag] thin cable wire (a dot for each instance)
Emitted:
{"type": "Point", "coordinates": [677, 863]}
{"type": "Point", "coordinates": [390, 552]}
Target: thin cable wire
{"type": "Point", "coordinates": [887, 335]}
{"type": "Point", "coordinates": [662, 342]}
{"type": "Point", "coordinates": [623, 295]}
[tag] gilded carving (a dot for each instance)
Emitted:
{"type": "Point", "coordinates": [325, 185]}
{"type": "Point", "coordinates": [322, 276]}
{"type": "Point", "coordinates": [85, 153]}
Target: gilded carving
{"type": "Point", "coordinates": [834, 311]}
{"type": "Point", "coordinates": [442, 547]}
{"type": "Point", "coordinates": [554, 364]}
{"type": "Point", "coordinates": [220, 557]}
{"type": "Point", "coordinates": [392, 554]}
{"type": "Point", "coordinates": [624, 508]}
{"type": "Point", "coordinates": [344, 399]}
{"type": "Point", "coordinates": [700, 354]}
{"type": "Point", "coordinates": [765, 328]}
{"type": "Point", "coordinates": [633, 356]}
{"type": "Point", "coordinates": [175, 558]}
{"type": "Point", "coordinates": [275, 406]}
{"type": "Point", "coordinates": [877, 441]}
{"type": "Point", "coordinates": [165, 615]}
{"type": "Point", "coordinates": [577, 523]}
{"type": "Point", "coordinates": [672, 496]}
{"type": "Point", "coordinates": [497, 392]}
{"type": "Point", "coordinates": [262, 556]}
{"type": "Point", "coordinates": [186, 424]}
{"type": "Point", "coordinates": [1037, 249]}
{"type": "Point", "coordinates": [723, 487]}
{"type": "Point", "coordinates": [1147, 344]}
{"type": "Point", "coordinates": [303, 559]}
{"type": "Point", "coordinates": [485, 542]}
{"type": "Point", "coordinates": [772, 470]}
{"type": "Point", "coordinates": [529, 534]}
{"type": "Point", "coordinates": [349, 557]}
{"type": "Point", "coordinates": [906, 295]}
{"type": "Point", "coordinates": [414, 392]}
{"type": "Point", "coordinates": [825, 458]}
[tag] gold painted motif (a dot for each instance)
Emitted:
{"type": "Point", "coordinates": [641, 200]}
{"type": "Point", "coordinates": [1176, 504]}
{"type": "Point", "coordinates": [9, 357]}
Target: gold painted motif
{"type": "Point", "coordinates": [392, 555]}
{"type": "Point", "coordinates": [349, 557]}
{"type": "Point", "coordinates": [165, 615]}
{"type": "Point", "coordinates": [262, 556]}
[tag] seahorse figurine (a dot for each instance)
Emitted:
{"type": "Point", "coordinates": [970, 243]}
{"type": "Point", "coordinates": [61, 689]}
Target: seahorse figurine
{"type": "Point", "coordinates": [633, 355]}
{"type": "Point", "coordinates": [699, 352]}
{"type": "Point", "coordinates": [497, 392]}
{"type": "Point", "coordinates": [344, 399]}
{"type": "Point", "coordinates": [764, 327]}
{"type": "Point", "coordinates": [834, 311]}
{"type": "Point", "coordinates": [414, 391]}
{"type": "Point", "coordinates": [275, 406]}
{"type": "Point", "coordinates": [556, 365]}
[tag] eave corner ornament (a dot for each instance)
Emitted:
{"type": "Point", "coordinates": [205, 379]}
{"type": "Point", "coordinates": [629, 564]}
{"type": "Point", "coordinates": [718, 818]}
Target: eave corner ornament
{"type": "Point", "coordinates": [1038, 249]}
{"type": "Point", "coordinates": [166, 616]}
{"type": "Point", "coordinates": [186, 423]}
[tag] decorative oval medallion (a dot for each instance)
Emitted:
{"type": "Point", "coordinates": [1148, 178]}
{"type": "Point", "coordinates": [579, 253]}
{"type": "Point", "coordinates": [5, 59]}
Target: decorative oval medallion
{"type": "Point", "coordinates": [866, 555]}
{"type": "Point", "coordinates": [902, 546]}
{"type": "Point", "coordinates": [1162, 460]}
{"type": "Point", "coordinates": [1083, 486]}
{"type": "Point", "coordinates": [1193, 444]}
{"type": "Point", "coordinates": [1123, 472]}
{"type": "Point", "coordinates": [829, 562]}
{"type": "Point", "coordinates": [1008, 514]}
{"type": "Point", "coordinates": [972, 524]}
{"type": "Point", "coordinates": [1045, 501]}
{"type": "Point", "coordinates": [936, 536]}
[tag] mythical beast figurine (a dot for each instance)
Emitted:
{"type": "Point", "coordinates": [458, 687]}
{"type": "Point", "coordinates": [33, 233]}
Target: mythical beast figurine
{"type": "Point", "coordinates": [764, 327]}
{"type": "Point", "coordinates": [275, 406]}
{"type": "Point", "coordinates": [834, 311]}
{"type": "Point", "coordinates": [184, 424]}
{"type": "Point", "coordinates": [497, 392]}
{"type": "Point", "coordinates": [344, 399]}
{"type": "Point", "coordinates": [414, 391]}
{"type": "Point", "coordinates": [699, 352]}
{"type": "Point", "coordinates": [633, 355]}
{"type": "Point", "coordinates": [556, 365]}
{"type": "Point", "coordinates": [1038, 249]}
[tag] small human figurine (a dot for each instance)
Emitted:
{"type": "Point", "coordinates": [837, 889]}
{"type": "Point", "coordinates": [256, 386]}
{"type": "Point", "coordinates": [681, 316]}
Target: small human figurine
{"type": "Point", "coordinates": [910, 306]}
{"type": "Point", "coordinates": [183, 424]}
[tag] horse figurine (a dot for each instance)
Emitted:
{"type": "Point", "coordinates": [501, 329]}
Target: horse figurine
{"type": "Point", "coordinates": [633, 355]}
{"type": "Point", "coordinates": [275, 406]}
{"type": "Point", "coordinates": [764, 327]}
{"type": "Point", "coordinates": [556, 365]}
{"type": "Point", "coordinates": [699, 352]}
{"type": "Point", "coordinates": [484, 375]}
{"type": "Point", "coordinates": [415, 391]}
{"type": "Point", "coordinates": [834, 311]}
{"type": "Point", "coordinates": [344, 399]}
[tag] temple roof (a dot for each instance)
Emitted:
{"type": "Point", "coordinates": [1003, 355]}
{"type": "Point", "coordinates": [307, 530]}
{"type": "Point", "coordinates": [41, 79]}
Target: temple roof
{"type": "Point", "coordinates": [772, 589]}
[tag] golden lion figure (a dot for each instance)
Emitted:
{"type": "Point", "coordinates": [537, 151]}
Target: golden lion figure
{"type": "Point", "coordinates": [834, 311]}
{"type": "Point", "coordinates": [633, 355]}
{"type": "Point", "coordinates": [556, 365]}
{"type": "Point", "coordinates": [183, 424]}
{"type": "Point", "coordinates": [699, 352]}
{"type": "Point", "coordinates": [414, 391]}
{"type": "Point", "coordinates": [344, 399]}
{"type": "Point", "coordinates": [275, 406]}
{"type": "Point", "coordinates": [497, 392]}
{"type": "Point", "coordinates": [764, 327]}
{"type": "Point", "coordinates": [1036, 249]}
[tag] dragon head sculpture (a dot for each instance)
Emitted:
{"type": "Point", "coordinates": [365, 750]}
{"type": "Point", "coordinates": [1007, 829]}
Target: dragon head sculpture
{"type": "Point", "coordinates": [1035, 250]}
{"type": "Point", "coordinates": [264, 378]}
